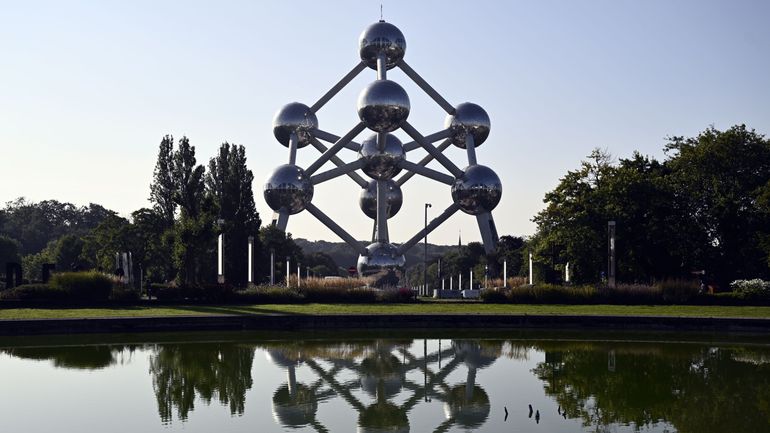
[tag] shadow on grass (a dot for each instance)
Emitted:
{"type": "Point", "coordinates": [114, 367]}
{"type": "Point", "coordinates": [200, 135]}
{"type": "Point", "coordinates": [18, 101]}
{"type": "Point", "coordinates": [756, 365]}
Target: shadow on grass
{"type": "Point", "coordinates": [235, 310]}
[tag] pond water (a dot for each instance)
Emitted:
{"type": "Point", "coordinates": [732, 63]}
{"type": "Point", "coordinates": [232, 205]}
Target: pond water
{"type": "Point", "coordinates": [385, 382]}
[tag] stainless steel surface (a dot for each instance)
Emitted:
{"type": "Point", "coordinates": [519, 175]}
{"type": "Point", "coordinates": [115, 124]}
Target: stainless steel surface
{"type": "Point", "coordinates": [332, 138]}
{"type": "Point", "coordinates": [383, 105]}
{"type": "Point", "coordinates": [334, 227]}
{"type": "Point", "coordinates": [383, 164]}
{"type": "Point", "coordinates": [339, 86]}
{"type": "Point", "coordinates": [427, 172]}
{"type": "Point", "coordinates": [294, 117]}
{"type": "Point", "coordinates": [336, 172]}
{"type": "Point", "coordinates": [431, 138]}
{"type": "Point", "coordinates": [288, 189]}
{"type": "Point", "coordinates": [383, 264]}
{"type": "Point", "coordinates": [468, 118]}
{"type": "Point", "coordinates": [478, 190]}
{"type": "Point", "coordinates": [342, 142]}
{"type": "Point", "coordinates": [382, 214]}
{"type": "Point", "coordinates": [368, 199]}
{"type": "Point", "coordinates": [385, 38]}
{"type": "Point", "coordinates": [423, 162]}
{"type": "Point", "coordinates": [437, 155]}
{"type": "Point", "coordinates": [488, 231]}
{"type": "Point", "coordinates": [470, 148]}
{"type": "Point", "coordinates": [338, 162]}
{"type": "Point", "coordinates": [411, 73]}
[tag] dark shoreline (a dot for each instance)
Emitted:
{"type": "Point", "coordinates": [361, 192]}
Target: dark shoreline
{"type": "Point", "coordinates": [288, 322]}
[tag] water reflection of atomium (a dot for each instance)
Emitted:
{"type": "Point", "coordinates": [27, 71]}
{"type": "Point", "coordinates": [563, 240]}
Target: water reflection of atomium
{"type": "Point", "coordinates": [383, 107]}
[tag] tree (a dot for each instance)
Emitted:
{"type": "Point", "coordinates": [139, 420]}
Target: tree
{"type": "Point", "coordinates": [194, 239]}
{"type": "Point", "coordinates": [321, 264]}
{"type": "Point", "coordinates": [9, 252]}
{"type": "Point", "coordinates": [229, 182]}
{"type": "Point", "coordinates": [163, 187]}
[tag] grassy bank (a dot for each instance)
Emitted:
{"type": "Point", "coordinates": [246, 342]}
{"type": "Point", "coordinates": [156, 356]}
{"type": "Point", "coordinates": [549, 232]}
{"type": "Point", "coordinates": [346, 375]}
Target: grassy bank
{"type": "Point", "coordinates": [424, 307]}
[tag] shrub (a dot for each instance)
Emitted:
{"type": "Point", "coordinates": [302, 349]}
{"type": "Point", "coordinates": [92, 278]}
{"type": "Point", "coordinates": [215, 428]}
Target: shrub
{"type": "Point", "coordinates": [493, 296]}
{"type": "Point", "coordinates": [553, 294]}
{"type": "Point", "coordinates": [678, 291]}
{"type": "Point", "coordinates": [632, 294]}
{"type": "Point", "coordinates": [268, 295]}
{"type": "Point", "coordinates": [124, 293]}
{"type": "Point", "coordinates": [751, 289]}
{"type": "Point", "coordinates": [83, 286]}
{"type": "Point", "coordinates": [164, 292]}
{"type": "Point", "coordinates": [403, 294]}
{"type": "Point", "coordinates": [33, 292]}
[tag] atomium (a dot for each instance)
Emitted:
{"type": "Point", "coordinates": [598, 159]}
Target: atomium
{"type": "Point", "coordinates": [382, 164]}
{"type": "Point", "coordinates": [288, 189]}
{"type": "Point", "coordinates": [381, 38]}
{"type": "Point", "coordinates": [384, 107]}
{"type": "Point", "coordinates": [294, 118]}
{"type": "Point", "coordinates": [478, 190]}
{"type": "Point", "coordinates": [368, 199]}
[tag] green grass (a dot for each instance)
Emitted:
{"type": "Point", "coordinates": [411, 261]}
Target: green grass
{"type": "Point", "coordinates": [425, 307]}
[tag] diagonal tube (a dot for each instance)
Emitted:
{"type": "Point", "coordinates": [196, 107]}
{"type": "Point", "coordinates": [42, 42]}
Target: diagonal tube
{"type": "Point", "coordinates": [440, 157]}
{"type": "Point", "coordinates": [345, 236]}
{"type": "Point", "coordinates": [423, 162]}
{"type": "Point", "coordinates": [335, 148]}
{"type": "Point", "coordinates": [337, 171]}
{"type": "Point", "coordinates": [432, 138]}
{"type": "Point", "coordinates": [339, 86]}
{"type": "Point", "coordinates": [331, 138]}
{"type": "Point", "coordinates": [427, 172]}
{"type": "Point", "coordinates": [426, 87]}
{"type": "Point", "coordinates": [339, 163]}
{"type": "Point", "coordinates": [432, 226]}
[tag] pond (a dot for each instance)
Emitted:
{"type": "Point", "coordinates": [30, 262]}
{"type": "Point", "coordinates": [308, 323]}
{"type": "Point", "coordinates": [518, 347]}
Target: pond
{"type": "Point", "coordinates": [386, 382]}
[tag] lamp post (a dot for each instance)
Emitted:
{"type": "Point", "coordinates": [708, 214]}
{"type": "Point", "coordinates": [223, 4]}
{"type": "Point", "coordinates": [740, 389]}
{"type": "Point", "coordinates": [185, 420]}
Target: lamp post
{"type": "Point", "coordinates": [425, 256]}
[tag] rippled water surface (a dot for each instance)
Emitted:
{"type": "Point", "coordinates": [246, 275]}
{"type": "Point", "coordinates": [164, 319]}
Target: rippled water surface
{"type": "Point", "coordinates": [380, 382]}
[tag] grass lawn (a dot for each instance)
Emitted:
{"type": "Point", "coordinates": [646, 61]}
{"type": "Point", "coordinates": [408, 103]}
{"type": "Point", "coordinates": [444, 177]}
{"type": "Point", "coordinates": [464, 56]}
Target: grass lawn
{"type": "Point", "coordinates": [424, 307]}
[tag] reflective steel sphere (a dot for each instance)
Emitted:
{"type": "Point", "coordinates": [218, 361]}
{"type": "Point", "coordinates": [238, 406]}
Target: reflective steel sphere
{"type": "Point", "coordinates": [289, 189]}
{"type": "Point", "coordinates": [383, 105]}
{"type": "Point", "coordinates": [468, 405]}
{"type": "Point", "coordinates": [294, 117]}
{"type": "Point", "coordinates": [468, 119]}
{"type": "Point", "coordinates": [383, 164]}
{"type": "Point", "coordinates": [383, 265]}
{"type": "Point", "coordinates": [294, 407]}
{"type": "Point", "coordinates": [381, 37]}
{"type": "Point", "coordinates": [368, 199]}
{"type": "Point", "coordinates": [478, 190]}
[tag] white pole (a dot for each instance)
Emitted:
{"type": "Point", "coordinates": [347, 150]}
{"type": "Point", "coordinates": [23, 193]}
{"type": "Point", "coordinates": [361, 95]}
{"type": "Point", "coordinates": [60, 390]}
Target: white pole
{"type": "Point", "coordinates": [451, 282]}
{"type": "Point", "coordinates": [505, 273]}
{"type": "Point", "coordinates": [531, 279]}
{"type": "Point", "coordinates": [251, 257]}
{"type": "Point", "coordinates": [299, 273]}
{"type": "Point", "coordinates": [470, 281]}
{"type": "Point", "coordinates": [220, 254]}
{"type": "Point", "coordinates": [272, 267]}
{"type": "Point", "coordinates": [288, 272]}
{"type": "Point", "coordinates": [566, 272]}
{"type": "Point", "coordinates": [460, 281]}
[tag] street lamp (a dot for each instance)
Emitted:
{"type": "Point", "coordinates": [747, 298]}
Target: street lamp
{"type": "Point", "coordinates": [425, 256]}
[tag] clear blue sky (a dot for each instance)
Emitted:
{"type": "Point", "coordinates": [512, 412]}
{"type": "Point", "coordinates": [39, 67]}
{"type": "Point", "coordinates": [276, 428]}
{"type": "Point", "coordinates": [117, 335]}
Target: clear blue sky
{"type": "Point", "coordinates": [87, 90]}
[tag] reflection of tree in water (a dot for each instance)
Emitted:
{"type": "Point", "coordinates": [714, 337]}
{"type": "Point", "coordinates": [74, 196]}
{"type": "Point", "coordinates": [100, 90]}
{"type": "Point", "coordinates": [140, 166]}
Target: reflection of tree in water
{"type": "Point", "coordinates": [81, 358]}
{"type": "Point", "coordinates": [696, 389]}
{"type": "Point", "coordinates": [182, 372]}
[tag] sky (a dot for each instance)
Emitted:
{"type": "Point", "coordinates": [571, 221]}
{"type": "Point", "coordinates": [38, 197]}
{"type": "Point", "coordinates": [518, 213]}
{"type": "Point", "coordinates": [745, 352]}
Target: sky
{"type": "Point", "coordinates": [88, 89]}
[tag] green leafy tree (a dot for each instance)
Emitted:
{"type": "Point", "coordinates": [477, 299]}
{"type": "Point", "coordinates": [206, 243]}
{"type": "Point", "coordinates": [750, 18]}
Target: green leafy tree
{"type": "Point", "coordinates": [164, 186]}
{"type": "Point", "coordinates": [9, 251]}
{"type": "Point", "coordinates": [229, 182]}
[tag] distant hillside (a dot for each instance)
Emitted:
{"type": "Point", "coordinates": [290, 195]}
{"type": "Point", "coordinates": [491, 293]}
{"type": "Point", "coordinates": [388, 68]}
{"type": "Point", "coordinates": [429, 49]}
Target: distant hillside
{"type": "Point", "coordinates": [345, 257]}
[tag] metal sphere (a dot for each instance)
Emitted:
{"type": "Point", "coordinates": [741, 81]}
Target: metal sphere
{"type": "Point", "coordinates": [368, 199]}
{"type": "Point", "coordinates": [468, 119]}
{"type": "Point", "coordinates": [468, 405]}
{"type": "Point", "coordinates": [382, 165]}
{"type": "Point", "coordinates": [381, 38]}
{"type": "Point", "coordinates": [382, 264]}
{"type": "Point", "coordinates": [383, 105]}
{"type": "Point", "coordinates": [478, 190]}
{"type": "Point", "coordinates": [288, 189]}
{"type": "Point", "coordinates": [294, 117]}
{"type": "Point", "coordinates": [294, 407]}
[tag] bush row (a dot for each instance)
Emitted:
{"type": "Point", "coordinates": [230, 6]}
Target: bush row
{"type": "Point", "coordinates": [665, 292]}
{"type": "Point", "coordinates": [75, 287]}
